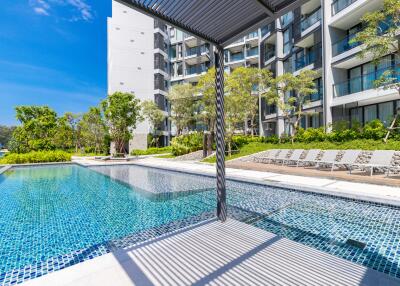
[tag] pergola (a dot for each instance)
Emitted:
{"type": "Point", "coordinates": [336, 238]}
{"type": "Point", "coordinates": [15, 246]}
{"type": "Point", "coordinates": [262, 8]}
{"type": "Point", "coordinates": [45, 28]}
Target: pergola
{"type": "Point", "coordinates": [219, 22]}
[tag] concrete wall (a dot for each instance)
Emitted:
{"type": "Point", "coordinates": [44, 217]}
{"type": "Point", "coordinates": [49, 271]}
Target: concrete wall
{"type": "Point", "coordinates": [131, 60]}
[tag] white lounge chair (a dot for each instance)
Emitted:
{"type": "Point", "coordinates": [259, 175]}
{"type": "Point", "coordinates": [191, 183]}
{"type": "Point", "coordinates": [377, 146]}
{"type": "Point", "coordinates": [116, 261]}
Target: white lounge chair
{"type": "Point", "coordinates": [349, 158]}
{"type": "Point", "coordinates": [328, 158]}
{"type": "Point", "coordinates": [271, 155]}
{"type": "Point", "coordinates": [311, 157]}
{"type": "Point", "coordinates": [379, 159]}
{"type": "Point", "coordinates": [296, 155]}
{"type": "Point", "coordinates": [282, 156]}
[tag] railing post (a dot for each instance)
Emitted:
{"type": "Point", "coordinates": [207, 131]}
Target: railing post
{"type": "Point", "coordinates": [219, 88]}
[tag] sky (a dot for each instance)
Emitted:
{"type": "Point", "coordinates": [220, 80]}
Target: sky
{"type": "Point", "coordinates": [52, 52]}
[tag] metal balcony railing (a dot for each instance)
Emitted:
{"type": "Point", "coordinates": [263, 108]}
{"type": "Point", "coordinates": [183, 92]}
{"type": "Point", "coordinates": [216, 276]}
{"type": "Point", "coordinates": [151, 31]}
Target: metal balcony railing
{"type": "Point", "coordinates": [311, 20]}
{"type": "Point", "coordinates": [339, 5]}
{"type": "Point", "coordinates": [196, 51]}
{"type": "Point", "coordinates": [364, 82]}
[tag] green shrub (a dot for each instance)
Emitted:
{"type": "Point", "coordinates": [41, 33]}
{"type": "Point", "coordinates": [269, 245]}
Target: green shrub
{"type": "Point", "coordinates": [311, 135]}
{"type": "Point", "coordinates": [36, 157]}
{"type": "Point", "coordinates": [152, 151]}
{"type": "Point", "coordinates": [374, 130]}
{"type": "Point", "coordinates": [187, 143]}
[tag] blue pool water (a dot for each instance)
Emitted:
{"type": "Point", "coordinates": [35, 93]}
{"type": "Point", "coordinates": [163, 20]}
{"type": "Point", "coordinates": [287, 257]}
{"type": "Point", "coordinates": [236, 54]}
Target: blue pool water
{"type": "Point", "coordinates": [54, 217]}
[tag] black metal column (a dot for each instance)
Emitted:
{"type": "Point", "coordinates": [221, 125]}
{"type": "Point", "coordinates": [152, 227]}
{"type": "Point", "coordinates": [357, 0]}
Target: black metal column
{"type": "Point", "coordinates": [219, 87]}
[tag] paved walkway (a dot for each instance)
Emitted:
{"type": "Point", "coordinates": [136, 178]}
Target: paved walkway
{"type": "Point", "coordinates": [213, 253]}
{"type": "Point", "coordinates": [362, 191]}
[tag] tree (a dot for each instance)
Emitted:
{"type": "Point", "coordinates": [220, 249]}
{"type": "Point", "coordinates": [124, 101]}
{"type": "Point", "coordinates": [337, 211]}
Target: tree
{"type": "Point", "coordinates": [63, 138]}
{"type": "Point", "coordinates": [122, 113]}
{"type": "Point", "coordinates": [93, 130]}
{"type": "Point", "coordinates": [206, 105]}
{"type": "Point", "coordinates": [182, 101]}
{"type": "Point", "coordinates": [5, 135]}
{"type": "Point", "coordinates": [73, 121]}
{"type": "Point", "coordinates": [37, 130]}
{"type": "Point", "coordinates": [290, 93]}
{"type": "Point", "coordinates": [154, 115]}
{"type": "Point", "coordinates": [380, 37]}
{"type": "Point", "coordinates": [246, 83]}
{"type": "Point", "coordinates": [234, 116]}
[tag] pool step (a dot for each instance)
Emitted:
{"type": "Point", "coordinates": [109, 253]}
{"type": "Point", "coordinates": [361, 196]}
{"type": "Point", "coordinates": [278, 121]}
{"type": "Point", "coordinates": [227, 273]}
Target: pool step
{"type": "Point", "coordinates": [3, 169]}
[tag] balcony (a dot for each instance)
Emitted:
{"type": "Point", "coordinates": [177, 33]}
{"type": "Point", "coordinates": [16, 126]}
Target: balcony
{"type": "Point", "coordinates": [268, 29]}
{"type": "Point", "coordinates": [268, 55]}
{"type": "Point", "coordinates": [237, 57]}
{"type": "Point", "coordinates": [344, 45]}
{"type": "Point", "coordinates": [305, 60]}
{"type": "Point", "coordinates": [251, 36]}
{"type": "Point", "coordinates": [194, 70]}
{"type": "Point", "coordinates": [196, 51]}
{"type": "Point", "coordinates": [340, 5]}
{"type": "Point", "coordinates": [310, 20]}
{"type": "Point", "coordinates": [252, 52]}
{"type": "Point", "coordinates": [319, 95]}
{"type": "Point", "coordinates": [363, 82]}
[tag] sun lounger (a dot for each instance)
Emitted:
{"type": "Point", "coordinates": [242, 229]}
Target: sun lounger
{"type": "Point", "coordinates": [311, 157]}
{"type": "Point", "coordinates": [296, 155]}
{"type": "Point", "coordinates": [328, 158]}
{"type": "Point", "coordinates": [271, 155]}
{"type": "Point", "coordinates": [379, 159]}
{"type": "Point", "coordinates": [349, 158]}
{"type": "Point", "coordinates": [282, 156]}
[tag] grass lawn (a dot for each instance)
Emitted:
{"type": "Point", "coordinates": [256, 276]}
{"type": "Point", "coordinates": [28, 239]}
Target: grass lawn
{"type": "Point", "coordinates": [167, 156]}
{"type": "Point", "coordinates": [256, 147]}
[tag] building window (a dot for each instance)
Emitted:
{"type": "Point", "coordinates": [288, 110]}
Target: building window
{"type": "Point", "coordinates": [286, 19]}
{"type": "Point", "coordinates": [287, 45]}
{"type": "Point", "coordinates": [370, 113]}
{"type": "Point", "coordinates": [386, 112]}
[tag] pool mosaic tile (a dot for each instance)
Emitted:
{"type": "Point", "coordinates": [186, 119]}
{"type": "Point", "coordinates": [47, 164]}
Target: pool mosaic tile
{"type": "Point", "coordinates": [56, 216]}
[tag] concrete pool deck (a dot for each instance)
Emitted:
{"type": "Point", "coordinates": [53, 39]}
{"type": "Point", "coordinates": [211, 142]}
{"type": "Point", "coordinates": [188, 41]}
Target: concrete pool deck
{"type": "Point", "coordinates": [214, 253]}
{"type": "Point", "coordinates": [354, 190]}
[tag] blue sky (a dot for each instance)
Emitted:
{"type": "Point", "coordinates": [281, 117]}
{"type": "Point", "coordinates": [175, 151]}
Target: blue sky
{"type": "Point", "coordinates": [52, 52]}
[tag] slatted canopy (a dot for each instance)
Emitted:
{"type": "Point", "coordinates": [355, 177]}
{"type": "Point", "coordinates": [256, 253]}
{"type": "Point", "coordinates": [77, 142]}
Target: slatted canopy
{"type": "Point", "coordinates": [219, 22]}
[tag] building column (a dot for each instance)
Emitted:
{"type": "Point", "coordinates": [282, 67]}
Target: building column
{"type": "Point", "coordinates": [327, 70]}
{"type": "Point", "coordinates": [220, 134]}
{"type": "Point", "coordinates": [279, 70]}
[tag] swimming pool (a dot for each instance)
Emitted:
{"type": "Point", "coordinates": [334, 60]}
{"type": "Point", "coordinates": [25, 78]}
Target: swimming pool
{"type": "Point", "coordinates": [56, 216]}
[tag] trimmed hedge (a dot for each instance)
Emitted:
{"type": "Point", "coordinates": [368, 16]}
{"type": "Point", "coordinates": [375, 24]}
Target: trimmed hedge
{"type": "Point", "coordinates": [36, 157]}
{"type": "Point", "coordinates": [152, 151]}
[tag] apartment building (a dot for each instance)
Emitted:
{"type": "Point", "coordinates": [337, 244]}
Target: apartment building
{"type": "Point", "coordinates": [138, 63]}
{"type": "Point", "coordinates": [316, 36]}
{"type": "Point", "coordinates": [313, 36]}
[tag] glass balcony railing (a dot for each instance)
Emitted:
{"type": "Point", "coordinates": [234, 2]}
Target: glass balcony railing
{"type": "Point", "coordinates": [252, 36]}
{"type": "Point", "coordinates": [196, 51]}
{"type": "Point", "coordinates": [237, 57]}
{"type": "Point", "coordinates": [339, 5]}
{"type": "Point", "coordinates": [269, 55]}
{"type": "Point", "coordinates": [252, 52]}
{"type": "Point", "coordinates": [319, 95]}
{"type": "Point", "coordinates": [304, 61]}
{"type": "Point", "coordinates": [311, 20]}
{"type": "Point", "coordinates": [196, 70]}
{"type": "Point", "coordinates": [267, 29]}
{"type": "Point", "coordinates": [344, 45]}
{"type": "Point", "coordinates": [364, 82]}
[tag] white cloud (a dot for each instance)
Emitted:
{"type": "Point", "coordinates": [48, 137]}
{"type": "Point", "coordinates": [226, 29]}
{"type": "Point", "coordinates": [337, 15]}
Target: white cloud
{"type": "Point", "coordinates": [76, 10]}
{"type": "Point", "coordinates": [41, 11]}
